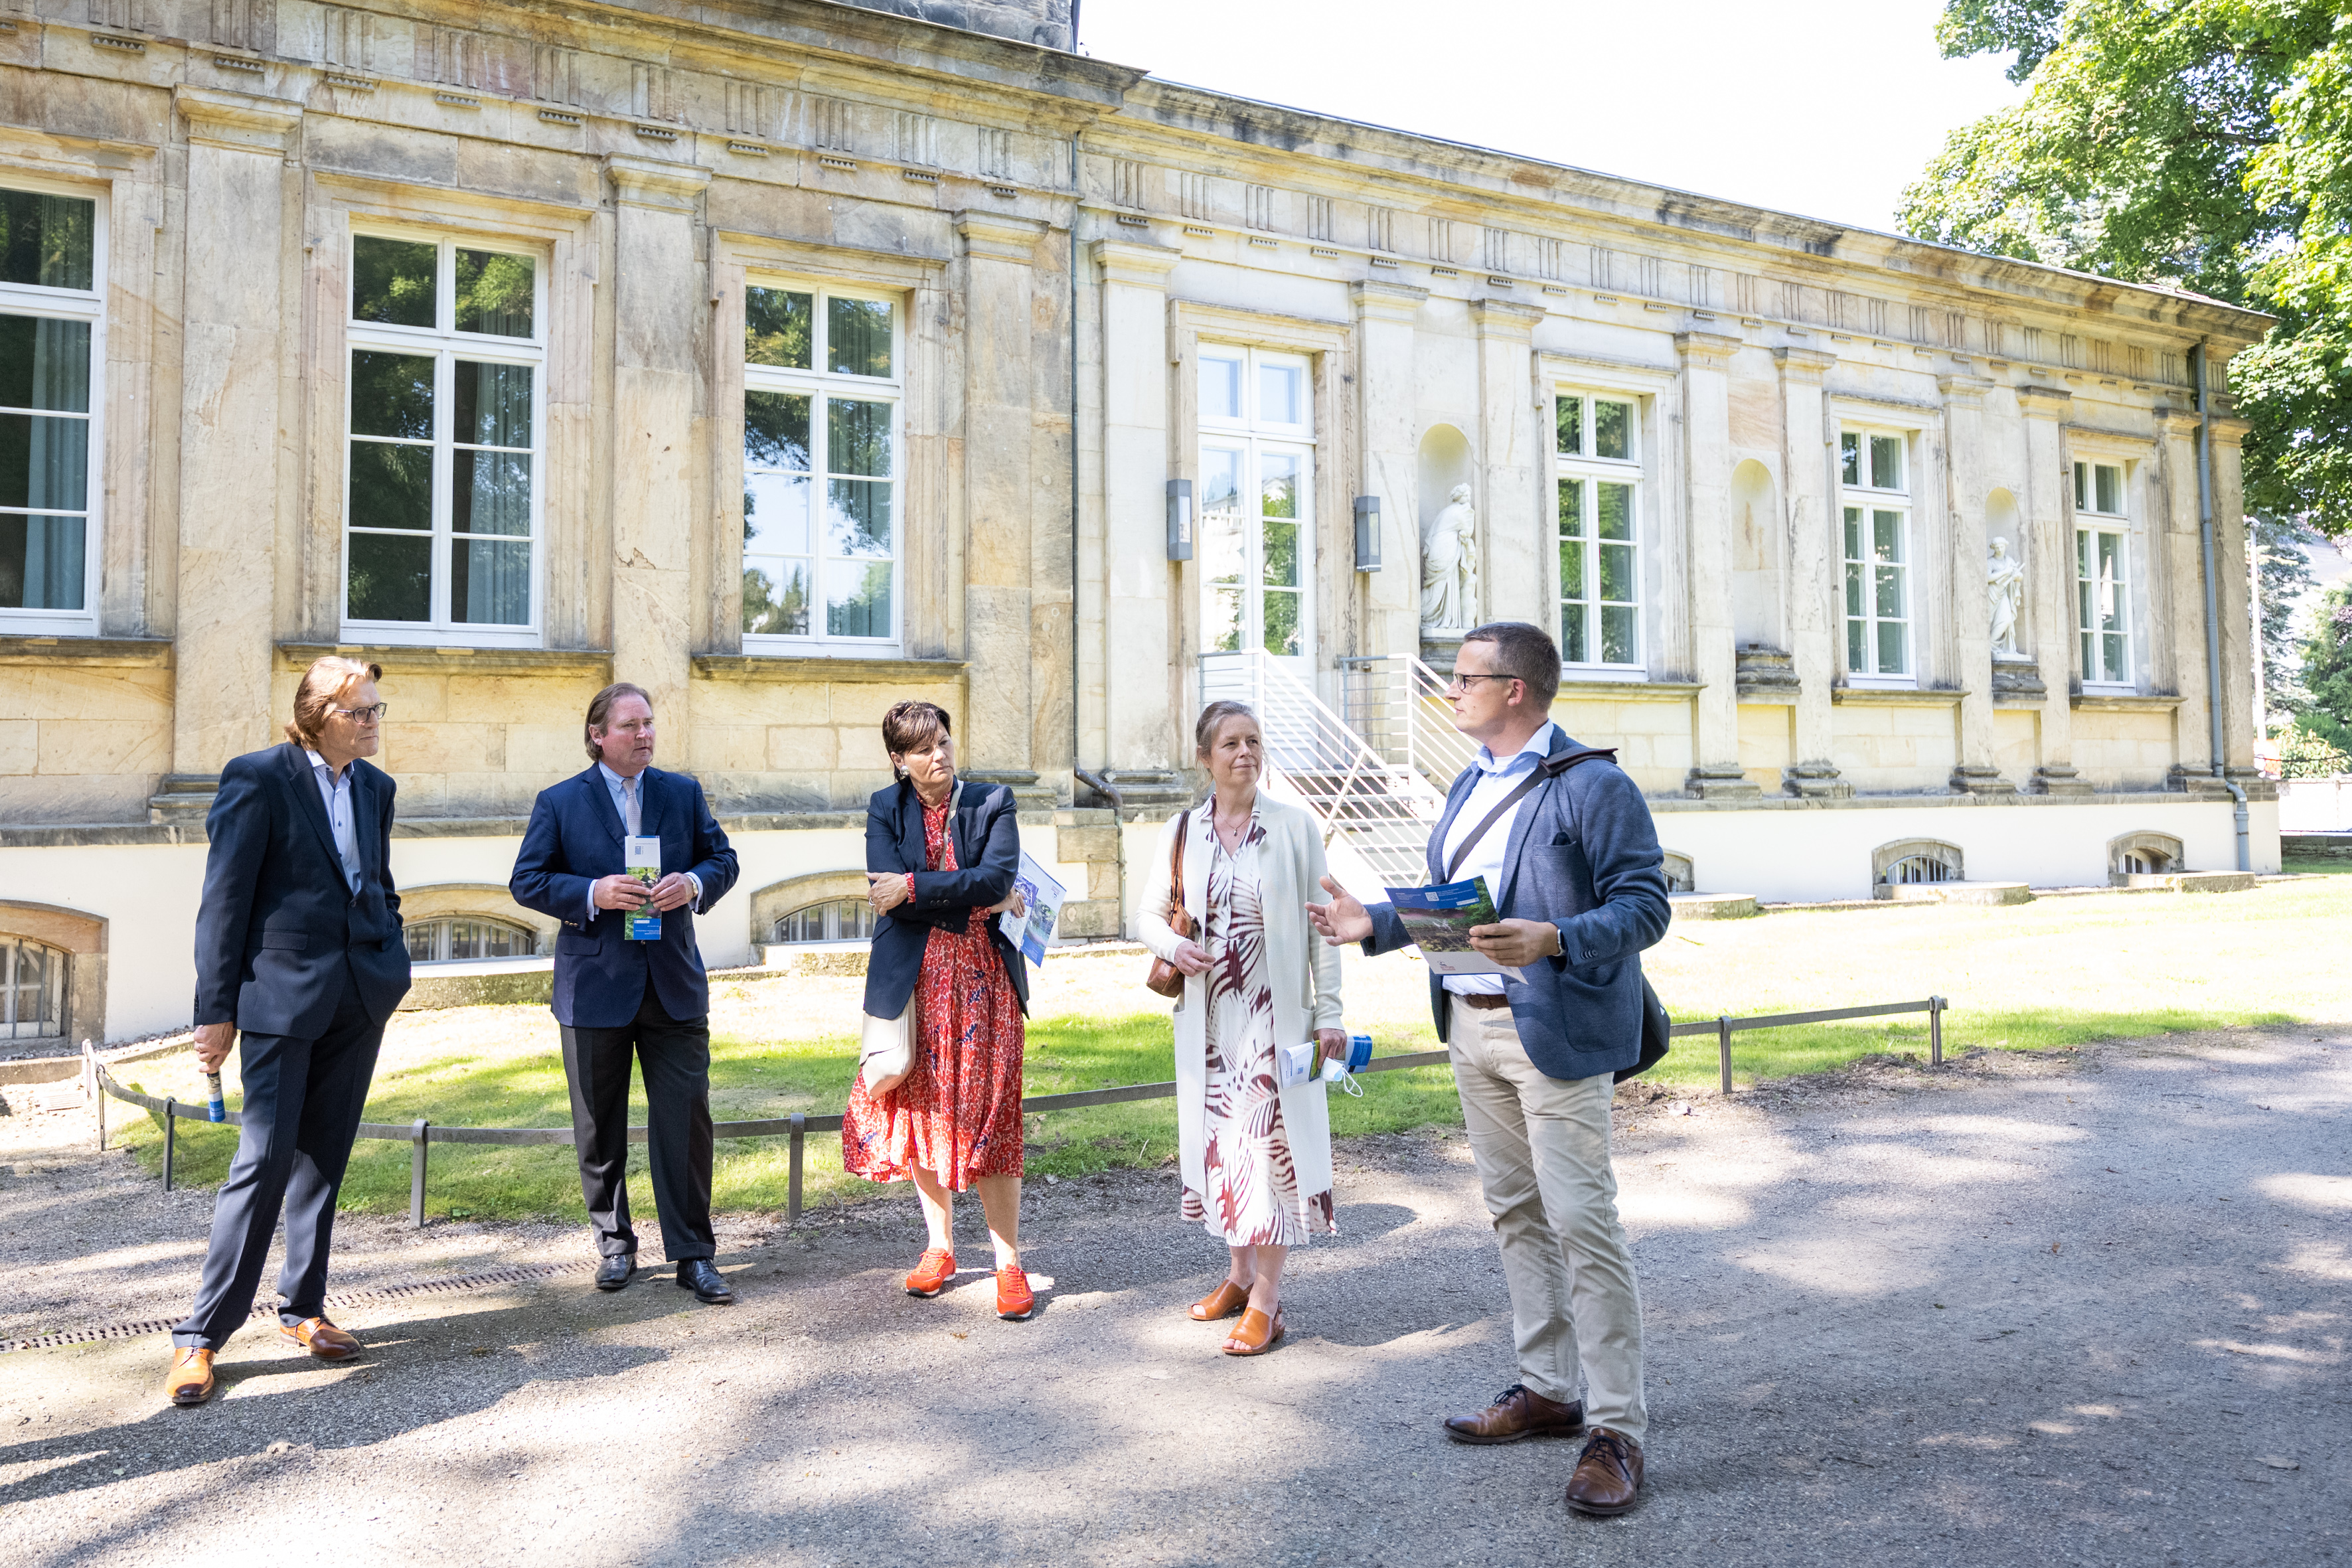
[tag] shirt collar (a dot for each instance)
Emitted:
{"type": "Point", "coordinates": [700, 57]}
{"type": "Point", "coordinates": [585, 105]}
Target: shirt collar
{"type": "Point", "coordinates": [614, 781]}
{"type": "Point", "coordinates": [1538, 748]}
{"type": "Point", "coordinates": [317, 762]}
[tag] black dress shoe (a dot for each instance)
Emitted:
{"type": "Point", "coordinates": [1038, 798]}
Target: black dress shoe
{"type": "Point", "coordinates": [698, 1275]}
{"type": "Point", "coordinates": [615, 1272]}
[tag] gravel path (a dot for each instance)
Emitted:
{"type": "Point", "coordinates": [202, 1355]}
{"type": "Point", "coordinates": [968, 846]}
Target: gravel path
{"type": "Point", "coordinates": [2087, 1307]}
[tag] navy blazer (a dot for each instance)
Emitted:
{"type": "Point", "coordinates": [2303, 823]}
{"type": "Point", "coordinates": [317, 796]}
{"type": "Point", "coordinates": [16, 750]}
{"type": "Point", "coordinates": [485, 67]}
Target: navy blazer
{"type": "Point", "coordinates": [986, 830]}
{"type": "Point", "coordinates": [574, 838]}
{"type": "Point", "coordinates": [279, 919]}
{"type": "Point", "coordinates": [1584, 856]}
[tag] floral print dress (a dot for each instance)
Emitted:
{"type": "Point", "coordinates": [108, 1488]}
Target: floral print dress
{"type": "Point", "coordinates": [1252, 1197]}
{"type": "Point", "coordinates": [958, 1111]}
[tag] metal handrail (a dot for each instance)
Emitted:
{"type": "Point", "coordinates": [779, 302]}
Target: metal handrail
{"type": "Point", "coordinates": [422, 1133]}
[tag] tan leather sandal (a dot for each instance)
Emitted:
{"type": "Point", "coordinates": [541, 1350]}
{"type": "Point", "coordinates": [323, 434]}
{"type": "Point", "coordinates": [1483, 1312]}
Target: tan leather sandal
{"type": "Point", "coordinates": [1255, 1334]}
{"type": "Point", "coordinates": [1224, 1302]}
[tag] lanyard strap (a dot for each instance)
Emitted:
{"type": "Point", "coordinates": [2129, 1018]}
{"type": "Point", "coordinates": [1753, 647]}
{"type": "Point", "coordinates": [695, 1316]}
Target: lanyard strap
{"type": "Point", "coordinates": [1549, 768]}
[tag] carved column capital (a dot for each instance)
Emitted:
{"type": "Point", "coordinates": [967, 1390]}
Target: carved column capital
{"type": "Point", "coordinates": [238, 120]}
{"type": "Point", "coordinates": [1506, 319]}
{"type": "Point", "coordinates": [999, 235]}
{"type": "Point", "coordinates": [652, 182]}
{"type": "Point", "coordinates": [1705, 350]}
{"type": "Point", "coordinates": [1145, 266]}
{"type": "Point", "coordinates": [2044, 403]}
{"type": "Point", "coordinates": [1378, 302]}
{"type": "Point", "coordinates": [1804, 364]}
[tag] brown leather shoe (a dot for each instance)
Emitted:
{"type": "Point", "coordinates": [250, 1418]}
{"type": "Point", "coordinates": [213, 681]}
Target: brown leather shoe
{"type": "Point", "coordinates": [1255, 1334]}
{"type": "Point", "coordinates": [1224, 1302]}
{"type": "Point", "coordinates": [191, 1381]}
{"type": "Point", "coordinates": [322, 1339]}
{"type": "Point", "coordinates": [1608, 1475]}
{"type": "Point", "coordinates": [1518, 1412]}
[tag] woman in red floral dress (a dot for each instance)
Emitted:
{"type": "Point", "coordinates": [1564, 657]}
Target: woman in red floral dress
{"type": "Point", "coordinates": [941, 857]}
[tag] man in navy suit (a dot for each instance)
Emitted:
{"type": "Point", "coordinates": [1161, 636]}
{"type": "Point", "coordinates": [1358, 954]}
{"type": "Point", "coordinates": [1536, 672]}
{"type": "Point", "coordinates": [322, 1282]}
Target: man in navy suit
{"type": "Point", "coordinates": [1565, 842]}
{"type": "Point", "coordinates": [616, 996]}
{"type": "Point", "coordinates": [297, 945]}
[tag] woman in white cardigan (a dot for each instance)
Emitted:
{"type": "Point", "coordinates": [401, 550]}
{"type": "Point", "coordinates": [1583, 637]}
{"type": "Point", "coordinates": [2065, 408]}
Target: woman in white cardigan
{"type": "Point", "coordinates": [1256, 1159]}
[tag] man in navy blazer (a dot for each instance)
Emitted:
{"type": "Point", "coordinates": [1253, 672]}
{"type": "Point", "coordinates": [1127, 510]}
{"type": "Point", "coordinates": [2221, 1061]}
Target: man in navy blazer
{"type": "Point", "coordinates": [616, 996]}
{"type": "Point", "coordinates": [1572, 861]}
{"type": "Point", "coordinates": [299, 947]}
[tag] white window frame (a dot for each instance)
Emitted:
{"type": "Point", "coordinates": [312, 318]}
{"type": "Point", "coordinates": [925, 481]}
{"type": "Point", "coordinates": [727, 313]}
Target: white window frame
{"type": "Point", "coordinates": [447, 345]}
{"type": "Point", "coordinates": [439, 925]}
{"type": "Point", "coordinates": [1253, 436]}
{"type": "Point", "coordinates": [1588, 471]}
{"type": "Point", "coordinates": [72, 305]}
{"type": "Point", "coordinates": [819, 385]}
{"type": "Point", "coordinates": [1857, 552]}
{"type": "Point", "coordinates": [2091, 521]}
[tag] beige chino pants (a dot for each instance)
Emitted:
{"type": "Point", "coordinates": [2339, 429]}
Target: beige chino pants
{"type": "Point", "coordinates": [1542, 1150]}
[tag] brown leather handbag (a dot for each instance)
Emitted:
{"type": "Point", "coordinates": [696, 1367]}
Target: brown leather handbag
{"type": "Point", "coordinates": [1165, 977]}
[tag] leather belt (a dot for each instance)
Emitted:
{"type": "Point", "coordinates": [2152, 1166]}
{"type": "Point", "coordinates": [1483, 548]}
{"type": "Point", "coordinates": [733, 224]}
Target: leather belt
{"type": "Point", "coordinates": [1484, 1000]}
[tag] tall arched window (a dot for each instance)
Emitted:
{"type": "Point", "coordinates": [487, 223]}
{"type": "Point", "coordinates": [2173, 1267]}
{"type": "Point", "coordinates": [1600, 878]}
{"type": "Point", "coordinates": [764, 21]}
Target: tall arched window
{"type": "Point", "coordinates": [32, 990]}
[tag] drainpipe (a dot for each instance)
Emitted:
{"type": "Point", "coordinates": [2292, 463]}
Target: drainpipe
{"type": "Point", "coordinates": [2213, 605]}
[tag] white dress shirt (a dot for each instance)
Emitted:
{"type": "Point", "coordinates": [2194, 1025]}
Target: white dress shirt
{"type": "Point", "coordinates": [335, 795]}
{"type": "Point", "coordinates": [628, 800]}
{"type": "Point", "coordinates": [1495, 780]}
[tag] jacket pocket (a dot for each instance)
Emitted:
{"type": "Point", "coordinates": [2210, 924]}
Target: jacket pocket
{"type": "Point", "coordinates": [578, 941]}
{"type": "Point", "coordinates": [294, 941]}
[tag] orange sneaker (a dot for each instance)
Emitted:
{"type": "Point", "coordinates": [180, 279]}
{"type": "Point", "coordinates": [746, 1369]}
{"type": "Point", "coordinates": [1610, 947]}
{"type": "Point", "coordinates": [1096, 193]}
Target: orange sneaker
{"type": "Point", "coordinates": [1014, 1300]}
{"type": "Point", "coordinates": [931, 1275]}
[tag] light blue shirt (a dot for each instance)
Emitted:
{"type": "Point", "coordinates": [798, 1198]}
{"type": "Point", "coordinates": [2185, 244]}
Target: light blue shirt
{"type": "Point", "coordinates": [632, 816]}
{"type": "Point", "coordinates": [1495, 780]}
{"type": "Point", "coordinates": [335, 795]}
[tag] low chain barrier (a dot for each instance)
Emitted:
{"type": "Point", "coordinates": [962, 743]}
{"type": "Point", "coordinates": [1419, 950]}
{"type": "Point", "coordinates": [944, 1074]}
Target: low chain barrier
{"type": "Point", "coordinates": [422, 1133]}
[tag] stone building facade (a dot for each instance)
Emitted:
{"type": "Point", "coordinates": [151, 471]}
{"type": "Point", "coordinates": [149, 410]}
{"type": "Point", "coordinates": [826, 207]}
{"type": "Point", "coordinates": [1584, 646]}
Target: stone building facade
{"type": "Point", "coordinates": [791, 358]}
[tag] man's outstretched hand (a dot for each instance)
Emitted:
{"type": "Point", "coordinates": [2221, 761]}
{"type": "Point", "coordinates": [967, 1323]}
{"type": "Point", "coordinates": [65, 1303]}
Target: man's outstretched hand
{"type": "Point", "coordinates": [1343, 919]}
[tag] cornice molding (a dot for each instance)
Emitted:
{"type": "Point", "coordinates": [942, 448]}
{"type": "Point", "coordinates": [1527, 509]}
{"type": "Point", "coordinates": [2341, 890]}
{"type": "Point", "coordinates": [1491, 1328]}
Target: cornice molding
{"type": "Point", "coordinates": [1705, 350]}
{"type": "Point", "coordinates": [2045, 402]}
{"type": "Point", "coordinates": [999, 237]}
{"type": "Point", "coordinates": [1965, 391]}
{"type": "Point", "coordinates": [1507, 319]}
{"type": "Point", "coordinates": [1805, 364]}
{"type": "Point", "coordinates": [1143, 266]}
{"type": "Point", "coordinates": [236, 119]}
{"type": "Point", "coordinates": [651, 182]}
{"type": "Point", "coordinates": [1379, 301]}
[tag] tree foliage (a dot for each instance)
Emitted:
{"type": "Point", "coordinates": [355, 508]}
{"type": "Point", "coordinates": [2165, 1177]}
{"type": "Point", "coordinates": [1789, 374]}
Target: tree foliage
{"type": "Point", "coordinates": [2204, 145]}
{"type": "Point", "coordinates": [2325, 708]}
{"type": "Point", "coordinates": [2286, 577]}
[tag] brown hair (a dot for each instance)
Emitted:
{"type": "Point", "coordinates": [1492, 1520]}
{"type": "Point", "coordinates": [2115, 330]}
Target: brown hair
{"type": "Point", "coordinates": [913, 725]}
{"type": "Point", "coordinates": [600, 709]}
{"type": "Point", "coordinates": [326, 680]}
{"type": "Point", "coordinates": [1524, 652]}
{"type": "Point", "coordinates": [1213, 717]}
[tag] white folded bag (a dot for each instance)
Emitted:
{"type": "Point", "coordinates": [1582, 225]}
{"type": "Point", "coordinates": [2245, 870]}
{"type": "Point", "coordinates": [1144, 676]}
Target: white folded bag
{"type": "Point", "coordinates": [886, 1051]}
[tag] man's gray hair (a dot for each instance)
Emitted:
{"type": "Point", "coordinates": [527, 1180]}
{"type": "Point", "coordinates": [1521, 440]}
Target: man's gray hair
{"type": "Point", "coordinates": [1526, 652]}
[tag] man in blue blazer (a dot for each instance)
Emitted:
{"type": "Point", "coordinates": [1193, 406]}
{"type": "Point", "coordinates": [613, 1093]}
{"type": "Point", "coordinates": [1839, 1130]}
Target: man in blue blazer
{"type": "Point", "coordinates": [1571, 859]}
{"type": "Point", "coordinates": [616, 996]}
{"type": "Point", "coordinates": [299, 947]}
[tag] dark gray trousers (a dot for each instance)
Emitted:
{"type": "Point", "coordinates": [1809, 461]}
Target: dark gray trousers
{"type": "Point", "coordinates": [675, 1055]}
{"type": "Point", "coordinates": [303, 1100]}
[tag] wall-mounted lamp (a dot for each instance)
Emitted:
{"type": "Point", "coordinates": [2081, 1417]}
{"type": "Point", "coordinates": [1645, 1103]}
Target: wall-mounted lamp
{"type": "Point", "coordinates": [1180, 519]}
{"type": "Point", "coordinates": [1367, 533]}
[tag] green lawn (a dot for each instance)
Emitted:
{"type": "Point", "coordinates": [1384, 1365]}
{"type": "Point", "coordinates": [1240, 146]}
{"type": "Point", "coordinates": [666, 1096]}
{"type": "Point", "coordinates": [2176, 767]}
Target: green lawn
{"type": "Point", "coordinates": [2058, 971]}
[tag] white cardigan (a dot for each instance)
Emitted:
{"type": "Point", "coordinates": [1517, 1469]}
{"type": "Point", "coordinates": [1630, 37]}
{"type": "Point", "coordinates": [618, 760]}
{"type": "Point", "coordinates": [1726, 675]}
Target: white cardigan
{"type": "Point", "coordinates": [1304, 968]}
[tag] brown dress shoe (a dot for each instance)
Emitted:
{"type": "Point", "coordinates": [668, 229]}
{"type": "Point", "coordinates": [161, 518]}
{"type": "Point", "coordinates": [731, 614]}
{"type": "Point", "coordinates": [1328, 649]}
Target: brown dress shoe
{"type": "Point", "coordinates": [1608, 1475]}
{"type": "Point", "coordinates": [1255, 1334]}
{"type": "Point", "coordinates": [191, 1381]}
{"type": "Point", "coordinates": [1518, 1412]}
{"type": "Point", "coordinates": [322, 1339]}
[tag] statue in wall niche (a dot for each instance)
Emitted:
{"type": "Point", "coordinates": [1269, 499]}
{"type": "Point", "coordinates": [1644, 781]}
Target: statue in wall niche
{"type": "Point", "coordinates": [1449, 567]}
{"type": "Point", "coordinates": [2005, 576]}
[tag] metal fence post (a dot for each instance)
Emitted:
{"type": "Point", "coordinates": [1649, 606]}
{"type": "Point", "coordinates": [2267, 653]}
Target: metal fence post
{"type": "Point", "coordinates": [1935, 1031]}
{"type": "Point", "coordinates": [1723, 1048]}
{"type": "Point", "coordinates": [416, 1175]}
{"type": "Point", "coordinates": [101, 1113]}
{"type": "Point", "coordinates": [792, 1184]}
{"type": "Point", "coordinates": [171, 1120]}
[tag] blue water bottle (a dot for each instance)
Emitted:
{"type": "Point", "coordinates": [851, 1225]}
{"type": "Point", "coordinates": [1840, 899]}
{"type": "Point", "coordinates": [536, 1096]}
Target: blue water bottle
{"type": "Point", "coordinates": [216, 1108]}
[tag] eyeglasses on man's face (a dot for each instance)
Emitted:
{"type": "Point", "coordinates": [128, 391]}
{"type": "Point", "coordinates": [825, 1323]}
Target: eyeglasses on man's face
{"type": "Point", "coordinates": [1462, 680]}
{"type": "Point", "coordinates": [367, 715]}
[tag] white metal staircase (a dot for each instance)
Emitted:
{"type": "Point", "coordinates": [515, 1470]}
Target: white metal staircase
{"type": "Point", "coordinates": [1377, 790]}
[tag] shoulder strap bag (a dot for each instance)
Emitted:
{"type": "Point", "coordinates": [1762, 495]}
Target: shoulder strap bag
{"type": "Point", "coordinates": [1165, 978]}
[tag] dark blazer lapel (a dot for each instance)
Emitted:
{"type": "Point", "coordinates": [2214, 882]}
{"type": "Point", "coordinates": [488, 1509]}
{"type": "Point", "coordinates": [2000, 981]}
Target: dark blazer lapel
{"type": "Point", "coordinates": [911, 848]}
{"type": "Point", "coordinates": [600, 801]}
{"type": "Point", "coordinates": [363, 824]}
{"type": "Point", "coordinates": [1529, 810]}
{"type": "Point", "coordinates": [969, 796]}
{"type": "Point", "coordinates": [653, 793]}
{"type": "Point", "coordinates": [305, 785]}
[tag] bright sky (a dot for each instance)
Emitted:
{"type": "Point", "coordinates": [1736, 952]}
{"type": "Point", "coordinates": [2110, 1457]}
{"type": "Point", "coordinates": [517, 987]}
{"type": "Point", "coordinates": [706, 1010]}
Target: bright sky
{"type": "Point", "coordinates": [1826, 107]}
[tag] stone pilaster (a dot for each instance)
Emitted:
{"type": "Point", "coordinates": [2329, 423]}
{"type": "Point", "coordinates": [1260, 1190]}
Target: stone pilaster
{"type": "Point", "coordinates": [999, 485]}
{"type": "Point", "coordinates": [1966, 635]}
{"type": "Point", "coordinates": [659, 296]}
{"type": "Point", "coordinates": [1141, 682]}
{"type": "Point", "coordinates": [1385, 313]}
{"type": "Point", "coordinates": [1513, 532]}
{"type": "Point", "coordinates": [2235, 608]}
{"type": "Point", "coordinates": [1716, 773]}
{"type": "Point", "coordinates": [1809, 464]}
{"type": "Point", "coordinates": [2047, 549]}
{"type": "Point", "coordinates": [2172, 533]}
{"type": "Point", "coordinates": [231, 499]}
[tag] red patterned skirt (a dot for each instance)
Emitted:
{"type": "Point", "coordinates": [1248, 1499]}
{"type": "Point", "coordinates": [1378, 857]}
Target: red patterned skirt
{"type": "Point", "coordinates": [958, 1113]}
